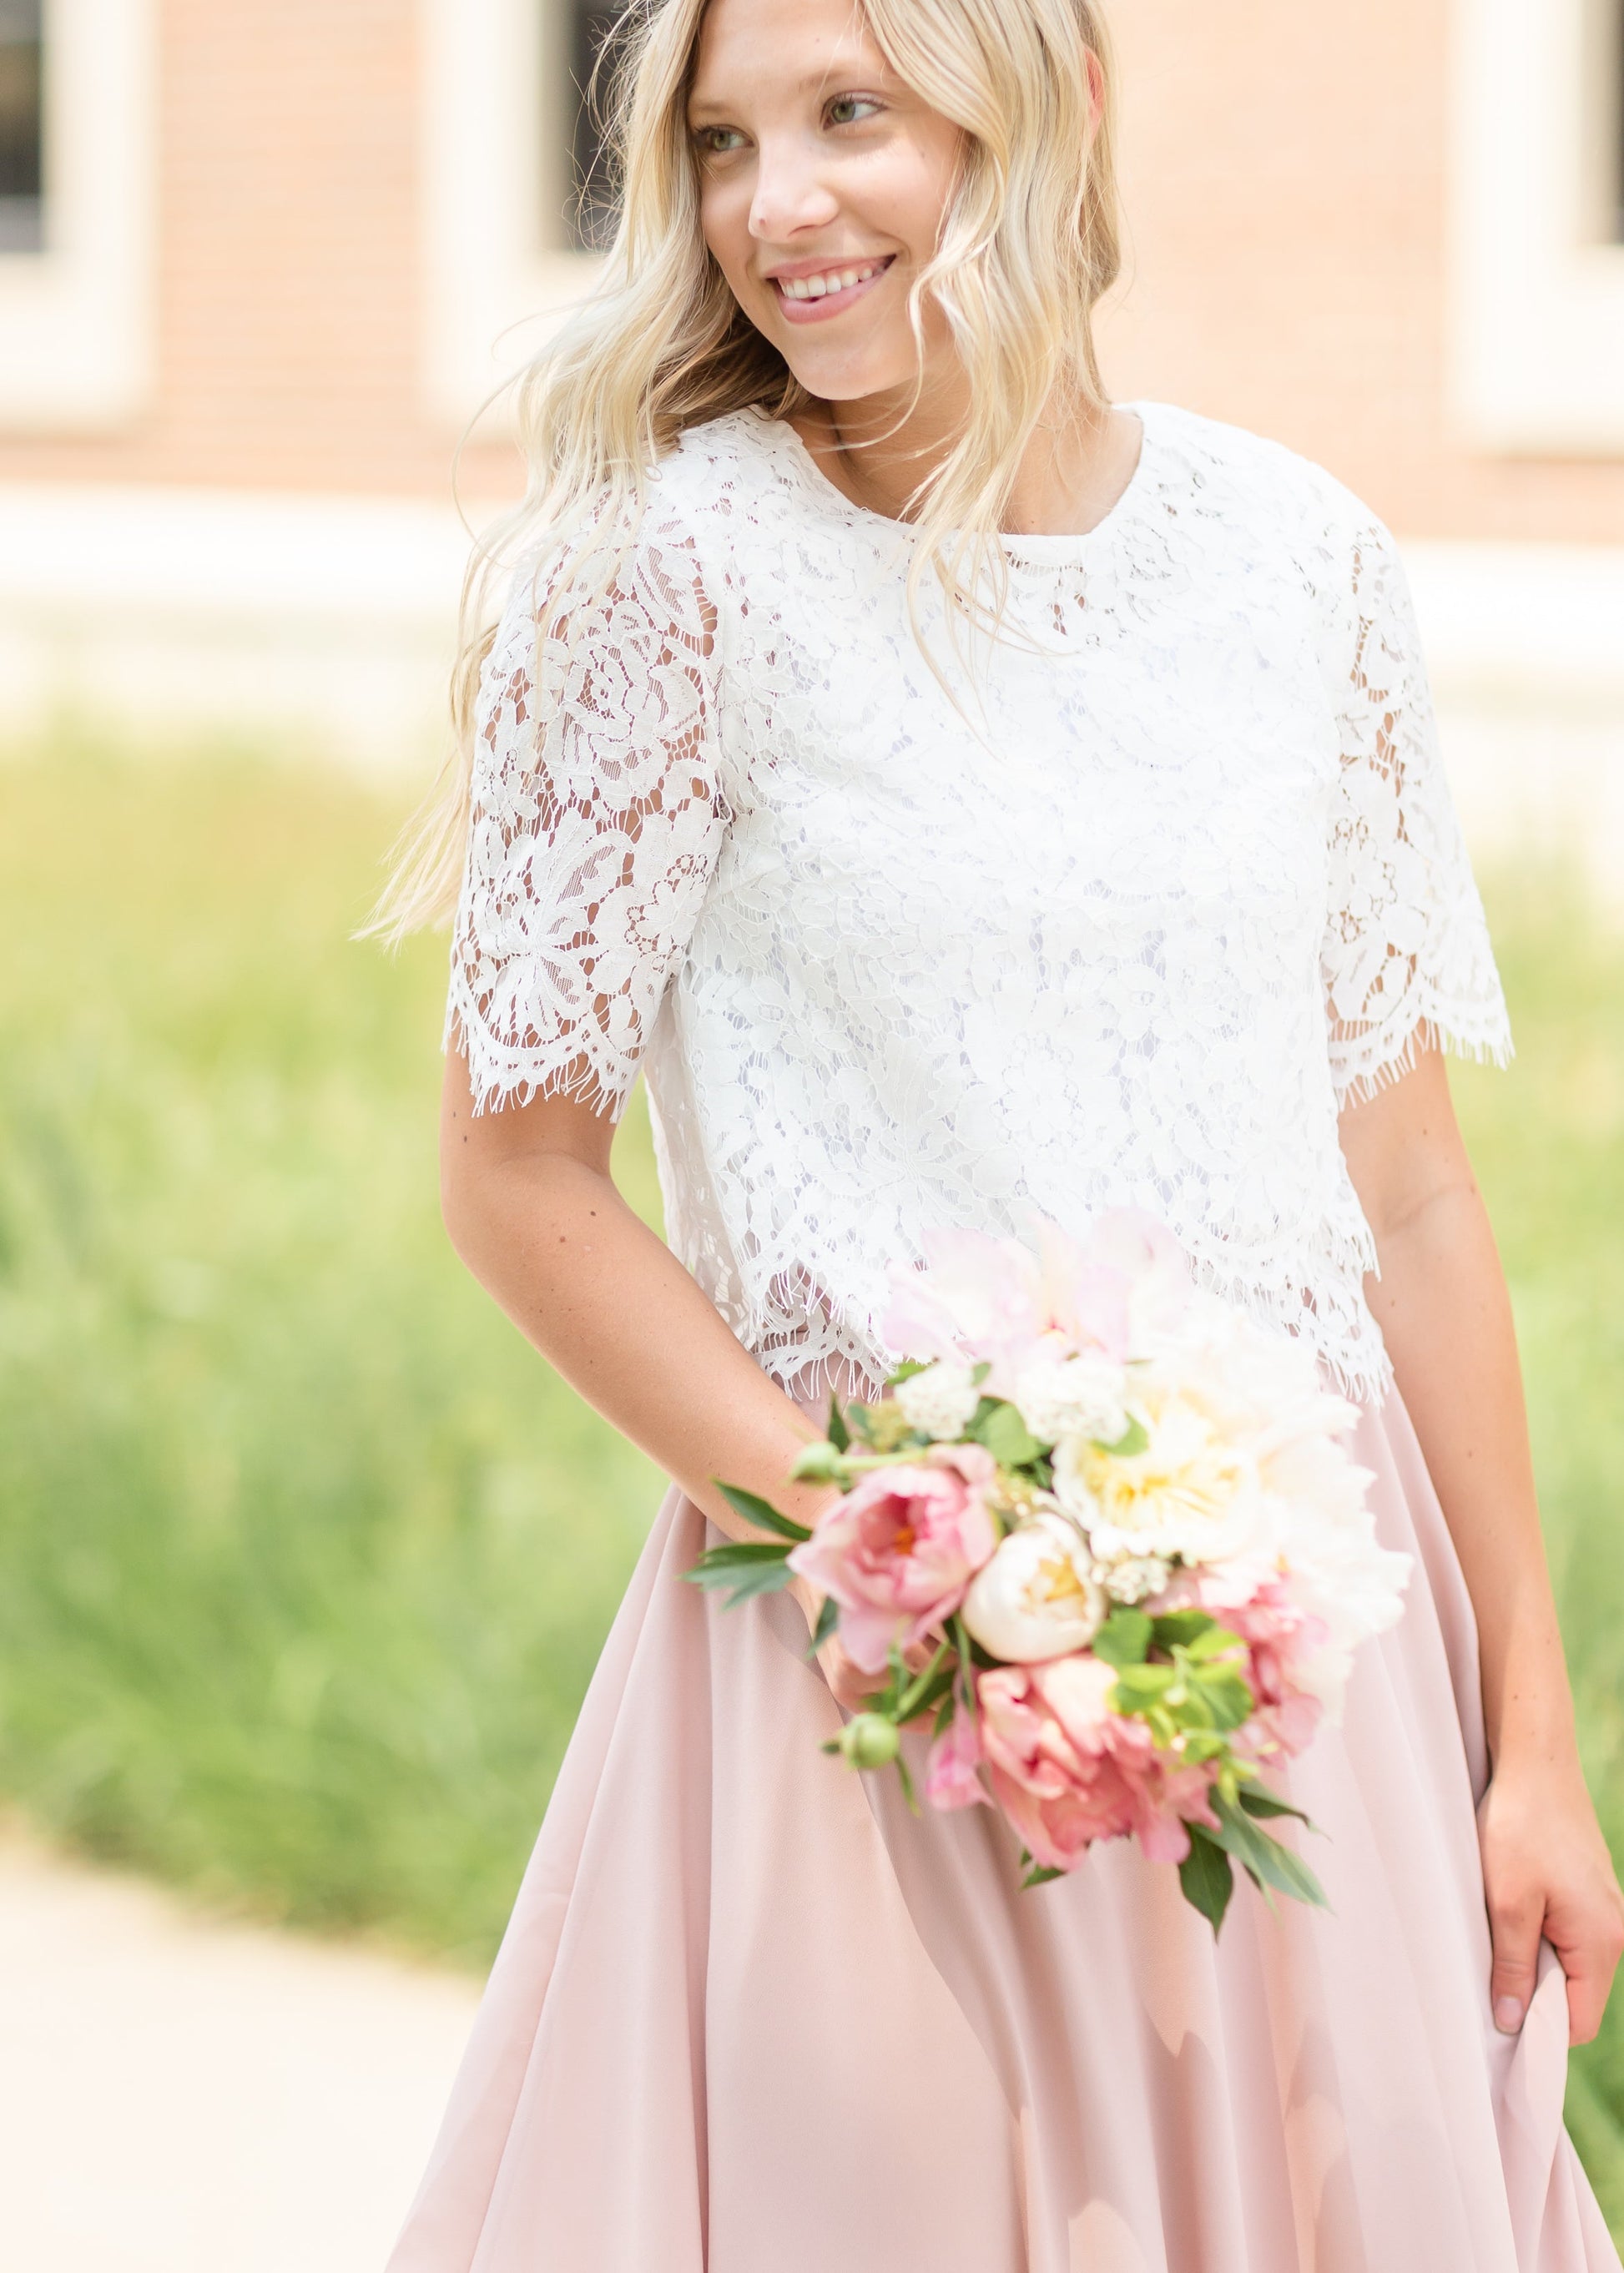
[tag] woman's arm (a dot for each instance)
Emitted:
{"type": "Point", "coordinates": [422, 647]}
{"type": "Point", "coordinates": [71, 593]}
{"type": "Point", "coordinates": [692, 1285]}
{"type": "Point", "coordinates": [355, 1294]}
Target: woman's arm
{"type": "Point", "coordinates": [1441, 1302]}
{"type": "Point", "coordinates": [532, 1209]}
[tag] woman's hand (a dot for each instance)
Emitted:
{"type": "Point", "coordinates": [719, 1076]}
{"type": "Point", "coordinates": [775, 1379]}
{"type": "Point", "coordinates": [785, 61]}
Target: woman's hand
{"type": "Point", "coordinates": [849, 1685]}
{"type": "Point", "coordinates": [1440, 1301]}
{"type": "Point", "coordinates": [1546, 1873]}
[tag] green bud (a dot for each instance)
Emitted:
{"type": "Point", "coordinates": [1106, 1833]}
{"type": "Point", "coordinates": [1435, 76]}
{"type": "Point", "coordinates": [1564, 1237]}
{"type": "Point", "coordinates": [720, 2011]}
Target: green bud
{"type": "Point", "coordinates": [870, 1741]}
{"type": "Point", "coordinates": [818, 1463]}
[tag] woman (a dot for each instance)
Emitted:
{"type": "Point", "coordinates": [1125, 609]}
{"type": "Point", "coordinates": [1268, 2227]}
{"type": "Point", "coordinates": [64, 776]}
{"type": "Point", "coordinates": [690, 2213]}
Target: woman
{"type": "Point", "coordinates": [957, 793]}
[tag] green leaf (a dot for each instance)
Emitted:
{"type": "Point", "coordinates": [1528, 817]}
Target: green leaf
{"type": "Point", "coordinates": [944, 1711]}
{"type": "Point", "coordinates": [1273, 1864]}
{"type": "Point", "coordinates": [1227, 1696]}
{"type": "Point", "coordinates": [1207, 1877]}
{"type": "Point", "coordinates": [736, 1554]}
{"type": "Point", "coordinates": [1181, 1629]}
{"type": "Point", "coordinates": [1256, 1801]}
{"type": "Point", "coordinates": [907, 1782]}
{"type": "Point", "coordinates": [1142, 1685]}
{"type": "Point", "coordinates": [1124, 1638]}
{"type": "Point", "coordinates": [860, 1424]}
{"type": "Point", "coordinates": [926, 1686]}
{"type": "Point", "coordinates": [907, 1370]}
{"type": "Point", "coordinates": [766, 1579]}
{"type": "Point", "coordinates": [979, 1373]}
{"type": "Point", "coordinates": [839, 1435]}
{"type": "Point", "coordinates": [1004, 1434]}
{"type": "Point", "coordinates": [1217, 1641]}
{"type": "Point", "coordinates": [1040, 1875]}
{"type": "Point", "coordinates": [762, 1513]}
{"type": "Point", "coordinates": [828, 1619]}
{"type": "Point", "coordinates": [1199, 1746]}
{"type": "Point", "coordinates": [1133, 1439]}
{"type": "Point", "coordinates": [747, 1566]}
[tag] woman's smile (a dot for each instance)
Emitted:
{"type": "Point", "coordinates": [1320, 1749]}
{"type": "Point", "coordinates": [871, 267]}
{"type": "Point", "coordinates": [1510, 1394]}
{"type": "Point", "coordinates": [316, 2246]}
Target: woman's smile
{"type": "Point", "coordinates": [812, 291]}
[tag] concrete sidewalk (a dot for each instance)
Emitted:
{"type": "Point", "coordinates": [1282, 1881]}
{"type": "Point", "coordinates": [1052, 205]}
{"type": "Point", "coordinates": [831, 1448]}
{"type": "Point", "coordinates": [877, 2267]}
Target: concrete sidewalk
{"type": "Point", "coordinates": [179, 2095]}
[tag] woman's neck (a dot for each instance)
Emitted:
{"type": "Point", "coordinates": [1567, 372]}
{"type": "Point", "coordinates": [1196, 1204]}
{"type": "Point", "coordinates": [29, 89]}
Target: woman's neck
{"type": "Point", "coordinates": [1072, 472]}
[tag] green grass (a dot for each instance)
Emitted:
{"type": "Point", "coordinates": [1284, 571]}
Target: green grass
{"type": "Point", "coordinates": [1548, 1142]}
{"type": "Point", "coordinates": [305, 1559]}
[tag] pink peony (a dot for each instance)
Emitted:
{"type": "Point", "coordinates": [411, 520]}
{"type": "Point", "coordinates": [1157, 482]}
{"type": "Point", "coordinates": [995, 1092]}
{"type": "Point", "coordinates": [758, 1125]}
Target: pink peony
{"type": "Point", "coordinates": [899, 1550]}
{"type": "Point", "coordinates": [1066, 1770]}
{"type": "Point", "coordinates": [1279, 1635]}
{"type": "Point", "coordinates": [1006, 1303]}
{"type": "Point", "coordinates": [976, 1297]}
{"type": "Point", "coordinates": [951, 1778]}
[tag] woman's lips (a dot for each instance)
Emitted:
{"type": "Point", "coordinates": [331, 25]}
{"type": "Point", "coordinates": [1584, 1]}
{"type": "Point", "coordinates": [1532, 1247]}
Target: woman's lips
{"type": "Point", "coordinates": [830, 303]}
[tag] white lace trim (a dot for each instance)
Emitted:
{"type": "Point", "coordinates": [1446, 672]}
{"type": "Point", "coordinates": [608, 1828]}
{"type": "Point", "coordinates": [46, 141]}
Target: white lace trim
{"type": "Point", "coordinates": [1192, 879]}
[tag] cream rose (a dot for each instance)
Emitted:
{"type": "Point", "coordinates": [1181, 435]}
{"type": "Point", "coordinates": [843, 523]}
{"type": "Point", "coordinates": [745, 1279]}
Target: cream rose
{"type": "Point", "coordinates": [1037, 1598]}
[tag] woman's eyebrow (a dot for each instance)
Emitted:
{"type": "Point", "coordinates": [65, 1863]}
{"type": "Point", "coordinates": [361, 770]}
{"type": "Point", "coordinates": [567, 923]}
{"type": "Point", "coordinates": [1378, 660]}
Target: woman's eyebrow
{"type": "Point", "coordinates": [840, 69]}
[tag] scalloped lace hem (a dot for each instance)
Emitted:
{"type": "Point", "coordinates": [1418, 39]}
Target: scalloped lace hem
{"type": "Point", "coordinates": [499, 1076]}
{"type": "Point", "coordinates": [840, 1351]}
{"type": "Point", "coordinates": [1481, 1041]}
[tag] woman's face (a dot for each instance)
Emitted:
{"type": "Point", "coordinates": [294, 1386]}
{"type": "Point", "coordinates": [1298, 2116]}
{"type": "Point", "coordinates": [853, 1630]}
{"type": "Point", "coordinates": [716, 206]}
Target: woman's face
{"type": "Point", "coordinates": [823, 184]}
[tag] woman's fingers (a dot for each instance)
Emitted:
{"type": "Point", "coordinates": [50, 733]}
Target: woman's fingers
{"type": "Point", "coordinates": [1546, 1873]}
{"type": "Point", "coordinates": [1516, 1914]}
{"type": "Point", "coordinates": [1588, 1980]}
{"type": "Point", "coordinates": [1587, 1932]}
{"type": "Point", "coordinates": [851, 1686]}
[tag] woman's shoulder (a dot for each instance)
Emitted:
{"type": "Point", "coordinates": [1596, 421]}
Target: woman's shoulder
{"type": "Point", "coordinates": [711, 467]}
{"type": "Point", "coordinates": [1251, 479]}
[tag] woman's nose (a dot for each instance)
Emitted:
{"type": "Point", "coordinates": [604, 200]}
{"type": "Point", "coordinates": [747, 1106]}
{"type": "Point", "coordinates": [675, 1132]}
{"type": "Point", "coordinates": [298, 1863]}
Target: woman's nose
{"type": "Point", "coordinates": [791, 191]}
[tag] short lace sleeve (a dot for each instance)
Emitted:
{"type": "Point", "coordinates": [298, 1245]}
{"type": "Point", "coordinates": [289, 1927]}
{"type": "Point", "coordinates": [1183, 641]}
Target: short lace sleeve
{"type": "Point", "coordinates": [1406, 954]}
{"type": "Point", "coordinates": [596, 818]}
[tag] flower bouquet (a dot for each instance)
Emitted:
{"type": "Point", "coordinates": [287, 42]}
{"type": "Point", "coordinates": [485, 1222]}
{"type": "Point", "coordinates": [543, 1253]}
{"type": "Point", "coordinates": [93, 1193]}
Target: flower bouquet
{"type": "Point", "coordinates": [1104, 1535]}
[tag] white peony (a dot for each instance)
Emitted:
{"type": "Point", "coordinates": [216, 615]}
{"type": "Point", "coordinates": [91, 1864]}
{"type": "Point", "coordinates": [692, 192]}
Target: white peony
{"type": "Point", "coordinates": [941, 1401]}
{"type": "Point", "coordinates": [1085, 1395]}
{"type": "Point", "coordinates": [1037, 1598]}
{"type": "Point", "coordinates": [1191, 1495]}
{"type": "Point", "coordinates": [1336, 1568]}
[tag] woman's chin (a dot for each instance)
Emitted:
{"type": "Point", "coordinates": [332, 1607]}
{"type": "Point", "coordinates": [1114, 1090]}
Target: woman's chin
{"type": "Point", "coordinates": [846, 377]}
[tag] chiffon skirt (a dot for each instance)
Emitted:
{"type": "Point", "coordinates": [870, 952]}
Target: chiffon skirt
{"type": "Point", "coordinates": [751, 2016]}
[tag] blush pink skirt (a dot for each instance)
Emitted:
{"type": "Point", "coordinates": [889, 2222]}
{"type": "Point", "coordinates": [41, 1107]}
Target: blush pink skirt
{"type": "Point", "coordinates": [751, 2016]}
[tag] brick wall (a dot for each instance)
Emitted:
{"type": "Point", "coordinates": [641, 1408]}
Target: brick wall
{"type": "Point", "coordinates": [1285, 173]}
{"type": "Point", "coordinates": [1285, 180]}
{"type": "Point", "coordinates": [288, 274]}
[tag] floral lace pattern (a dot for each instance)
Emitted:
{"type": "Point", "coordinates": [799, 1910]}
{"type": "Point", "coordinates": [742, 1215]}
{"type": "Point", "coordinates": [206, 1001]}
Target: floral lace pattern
{"type": "Point", "coordinates": [1118, 910]}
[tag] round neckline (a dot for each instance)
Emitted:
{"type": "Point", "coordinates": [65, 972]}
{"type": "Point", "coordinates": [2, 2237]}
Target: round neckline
{"type": "Point", "coordinates": [1039, 545]}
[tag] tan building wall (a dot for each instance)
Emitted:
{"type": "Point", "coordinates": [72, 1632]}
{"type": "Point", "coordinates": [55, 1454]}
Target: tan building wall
{"type": "Point", "coordinates": [289, 261]}
{"type": "Point", "coordinates": [1286, 176]}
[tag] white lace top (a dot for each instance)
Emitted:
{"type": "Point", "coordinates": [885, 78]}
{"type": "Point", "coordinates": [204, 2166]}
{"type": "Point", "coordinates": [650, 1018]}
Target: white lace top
{"type": "Point", "coordinates": [1127, 927]}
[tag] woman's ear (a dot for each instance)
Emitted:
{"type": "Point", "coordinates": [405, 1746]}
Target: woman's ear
{"type": "Point", "coordinates": [1096, 90]}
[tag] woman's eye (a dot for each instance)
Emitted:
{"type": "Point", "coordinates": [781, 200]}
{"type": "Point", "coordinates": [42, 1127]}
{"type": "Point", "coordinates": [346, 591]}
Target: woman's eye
{"type": "Point", "coordinates": [851, 110]}
{"type": "Point", "coordinates": [718, 142]}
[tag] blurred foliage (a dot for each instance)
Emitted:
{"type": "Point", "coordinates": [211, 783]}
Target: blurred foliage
{"type": "Point", "coordinates": [1548, 1144]}
{"type": "Point", "coordinates": [305, 1559]}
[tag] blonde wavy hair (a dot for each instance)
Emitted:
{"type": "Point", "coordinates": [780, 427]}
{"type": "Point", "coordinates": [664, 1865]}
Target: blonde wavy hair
{"type": "Point", "coordinates": [1029, 242]}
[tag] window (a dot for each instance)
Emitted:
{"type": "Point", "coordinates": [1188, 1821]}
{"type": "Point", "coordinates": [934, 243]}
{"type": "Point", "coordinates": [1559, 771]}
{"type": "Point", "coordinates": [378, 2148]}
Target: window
{"type": "Point", "coordinates": [1614, 83]}
{"type": "Point", "coordinates": [1538, 234]}
{"type": "Point", "coordinates": [76, 166]}
{"type": "Point", "coordinates": [22, 127]}
{"type": "Point", "coordinates": [590, 202]}
{"type": "Point", "coordinates": [510, 148]}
